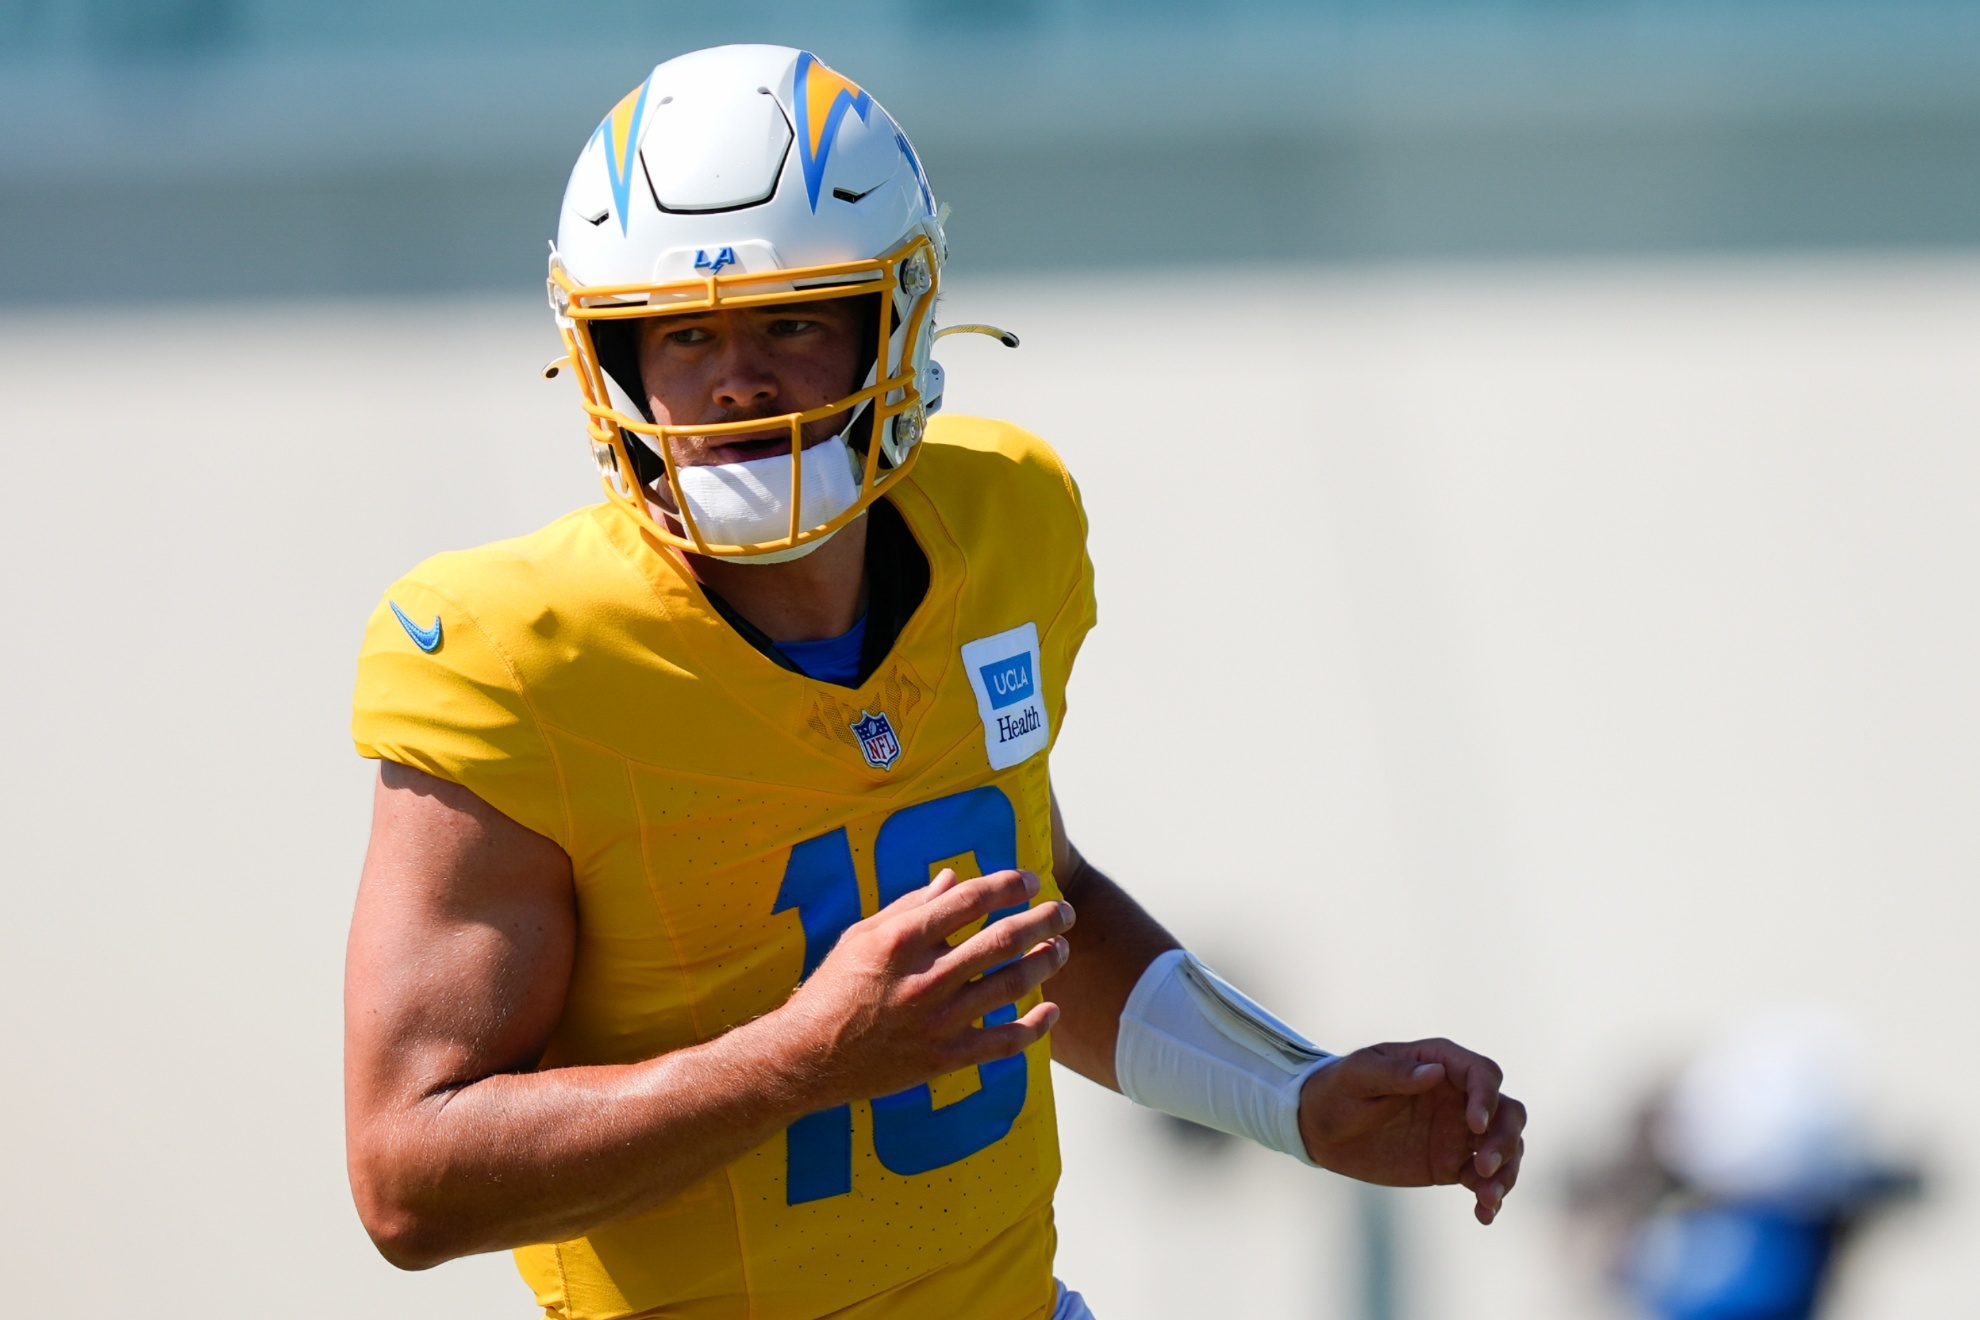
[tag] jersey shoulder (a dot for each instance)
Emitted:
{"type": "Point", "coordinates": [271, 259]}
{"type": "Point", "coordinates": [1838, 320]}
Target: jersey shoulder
{"type": "Point", "coordinates": [445, 671]}
{"type": "Point", "coordinates": [513, 587]}
{"type": "Point", "coordinates": [991, 482]}
{"type": "Point", "coordinates": [963, 449]}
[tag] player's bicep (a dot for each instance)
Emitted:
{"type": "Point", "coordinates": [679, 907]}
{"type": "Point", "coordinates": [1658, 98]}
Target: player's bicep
{"type": "Point", "coordinates": [461, 945]}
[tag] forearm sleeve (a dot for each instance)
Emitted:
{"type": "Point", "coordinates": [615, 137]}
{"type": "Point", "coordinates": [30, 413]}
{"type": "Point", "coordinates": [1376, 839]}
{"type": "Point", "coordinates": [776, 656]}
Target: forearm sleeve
{"type": "Point", "coordinates": [1193, 1045]}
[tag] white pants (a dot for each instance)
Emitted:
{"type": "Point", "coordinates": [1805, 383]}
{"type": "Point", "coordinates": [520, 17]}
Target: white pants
{"type": "Point", "coordinates": [1070, 1306]}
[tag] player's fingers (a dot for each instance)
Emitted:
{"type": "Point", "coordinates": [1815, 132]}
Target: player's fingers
{"type": "Point", "coordinates": [1477, 1076]}
{"type": "Point", "coordinates": [1012, 982]}
{"type": "Point", "coordinates": [1490, 1191]}
{"type": "Point", "coordinates": [1503, 1140]}
{"type": "Point", "coordinates": [1508, 1175]}
{"type": "Point", "coordinates": [948, 912]}
{"type": "Point", "coordinates": [1504, 1171]}
{"type": "Point", "coordinates": [1004, 940]}
{"type": "Point", "coordinates": [1486, 1192]}
{"type": "Point", "coordinates": [1481, 1099]}
{"type": "Point", "coordinates": [1384, 1070]}
{"type": "Point", "coordinates": [985, 1044]}
{"type": "Point", "coordinates": [943, 882]}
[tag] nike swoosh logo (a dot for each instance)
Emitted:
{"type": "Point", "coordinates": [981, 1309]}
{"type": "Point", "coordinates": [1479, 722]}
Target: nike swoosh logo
{"type": "Point", "coordinates": [848, 195]}
{"type": "Point", "coordinates": [426, 639]}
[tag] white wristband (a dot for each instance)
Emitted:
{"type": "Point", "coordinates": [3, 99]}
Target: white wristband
{"type": "Point", "coordinates": [1193, 1045]}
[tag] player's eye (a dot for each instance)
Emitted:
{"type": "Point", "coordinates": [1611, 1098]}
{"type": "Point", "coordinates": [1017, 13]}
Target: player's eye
{"type": "Point", "coordinates": [789, 325]}
{"type": "Point", "coordinates": [693, 334]}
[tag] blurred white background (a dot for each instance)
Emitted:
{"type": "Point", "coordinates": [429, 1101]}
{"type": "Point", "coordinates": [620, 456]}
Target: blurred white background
{"type": "Point", "coordinates": [1564, 657]}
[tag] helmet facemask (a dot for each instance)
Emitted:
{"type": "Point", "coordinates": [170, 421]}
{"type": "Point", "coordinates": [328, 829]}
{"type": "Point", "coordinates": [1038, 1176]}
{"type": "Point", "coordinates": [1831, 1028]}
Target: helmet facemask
{"type": "Point", "coordinates": [885, 417]}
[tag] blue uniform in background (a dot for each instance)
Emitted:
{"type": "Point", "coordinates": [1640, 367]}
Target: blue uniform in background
{"type": "Point", "coordinates": [1732, 1262]}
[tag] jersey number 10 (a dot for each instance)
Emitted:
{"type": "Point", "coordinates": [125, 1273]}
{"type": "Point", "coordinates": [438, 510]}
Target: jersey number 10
{"type": "Point", "coordinates": [910, 1135]}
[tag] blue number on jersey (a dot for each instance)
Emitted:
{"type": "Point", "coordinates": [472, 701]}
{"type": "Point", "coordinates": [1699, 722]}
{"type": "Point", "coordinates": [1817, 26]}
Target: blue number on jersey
{"type": "Point", "coordinates": [819, 881]}
{"type": "Point", "coordinates": [910, 1135]}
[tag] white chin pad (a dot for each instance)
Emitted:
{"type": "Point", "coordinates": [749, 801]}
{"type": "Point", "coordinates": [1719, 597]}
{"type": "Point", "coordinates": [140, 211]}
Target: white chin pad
{"type": "Point", "coordinates": [749, 503]}
{"type": "Point", "coordinates": [1193, 1045]}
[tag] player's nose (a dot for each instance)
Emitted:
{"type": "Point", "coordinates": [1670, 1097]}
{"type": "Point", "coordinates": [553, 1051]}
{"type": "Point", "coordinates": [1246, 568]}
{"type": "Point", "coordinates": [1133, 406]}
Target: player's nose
{"type": "Point", "coordinates": [743, 377]}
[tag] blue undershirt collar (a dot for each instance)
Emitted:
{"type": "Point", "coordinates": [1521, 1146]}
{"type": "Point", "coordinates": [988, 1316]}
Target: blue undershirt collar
{"type": "Point", "coordinates": [833, 660]}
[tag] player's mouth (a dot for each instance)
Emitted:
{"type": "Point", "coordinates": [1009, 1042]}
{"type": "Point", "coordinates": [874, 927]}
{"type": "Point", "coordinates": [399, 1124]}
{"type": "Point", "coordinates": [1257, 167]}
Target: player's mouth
{"type": "Point", "coordinates": [747, 448]}
{"type": "Point", "coordinates": [750, 448]}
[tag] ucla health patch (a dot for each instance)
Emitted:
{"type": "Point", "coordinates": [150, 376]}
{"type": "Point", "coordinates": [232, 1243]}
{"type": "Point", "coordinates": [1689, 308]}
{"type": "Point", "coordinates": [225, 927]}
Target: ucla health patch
{"type": "Point", "coordinates": [1010, 692]}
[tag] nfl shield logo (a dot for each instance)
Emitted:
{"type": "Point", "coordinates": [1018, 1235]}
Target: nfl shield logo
{"type": "Point", "coordinates": [877, 742]}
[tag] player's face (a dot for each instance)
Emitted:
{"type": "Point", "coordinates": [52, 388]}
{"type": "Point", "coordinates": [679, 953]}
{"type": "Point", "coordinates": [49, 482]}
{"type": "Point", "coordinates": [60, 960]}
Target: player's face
{"type": "Point", "coordinates": [733, 365]}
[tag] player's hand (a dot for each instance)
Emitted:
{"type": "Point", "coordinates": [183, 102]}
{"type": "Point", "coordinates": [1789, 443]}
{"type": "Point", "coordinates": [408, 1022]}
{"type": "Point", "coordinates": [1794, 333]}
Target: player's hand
{"type": "Point", "coordinates": [1415, 1115]}
{"type": "Point", "coordinates": [894, 1005]}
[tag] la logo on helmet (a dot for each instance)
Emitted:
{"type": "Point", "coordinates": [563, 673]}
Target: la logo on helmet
{"type": "Point", "coordinates": [723, 257]}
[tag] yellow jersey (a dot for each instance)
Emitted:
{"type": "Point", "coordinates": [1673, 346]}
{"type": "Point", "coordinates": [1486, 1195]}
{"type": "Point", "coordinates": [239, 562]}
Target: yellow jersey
{"type": "Point", "coordinates": [726, 819]}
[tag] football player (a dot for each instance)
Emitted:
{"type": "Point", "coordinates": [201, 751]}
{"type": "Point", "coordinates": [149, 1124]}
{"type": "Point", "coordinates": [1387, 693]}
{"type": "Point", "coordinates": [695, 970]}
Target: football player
{"type": "Point", "coordinates": [715, 876]}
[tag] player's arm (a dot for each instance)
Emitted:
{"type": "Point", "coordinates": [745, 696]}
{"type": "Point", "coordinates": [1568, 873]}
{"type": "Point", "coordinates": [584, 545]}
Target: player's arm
{"type": "Point", "coordinates": [459, 962]}
{"type": "Point", "coordinates": [1405, 1114]}
{"type": "Point", "coordinates": [1112, 944]}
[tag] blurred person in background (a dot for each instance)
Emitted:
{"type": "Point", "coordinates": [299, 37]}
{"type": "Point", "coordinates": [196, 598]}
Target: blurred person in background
{"type": "Point", "coordinates": [1744, 1180]}
{"type": "Point", "coordinates": [715, 868]}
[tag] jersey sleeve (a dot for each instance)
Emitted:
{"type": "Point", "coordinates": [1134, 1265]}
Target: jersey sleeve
{"type": "Point", "coordinates": [1078, 611]}
{"type": "Point", "coordinates": [459, 710]}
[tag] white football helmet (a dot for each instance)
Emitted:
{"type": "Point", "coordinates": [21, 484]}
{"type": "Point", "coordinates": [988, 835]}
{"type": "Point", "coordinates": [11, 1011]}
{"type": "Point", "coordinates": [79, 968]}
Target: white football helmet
{"type": "Point", "coordinates": [744, 176]}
